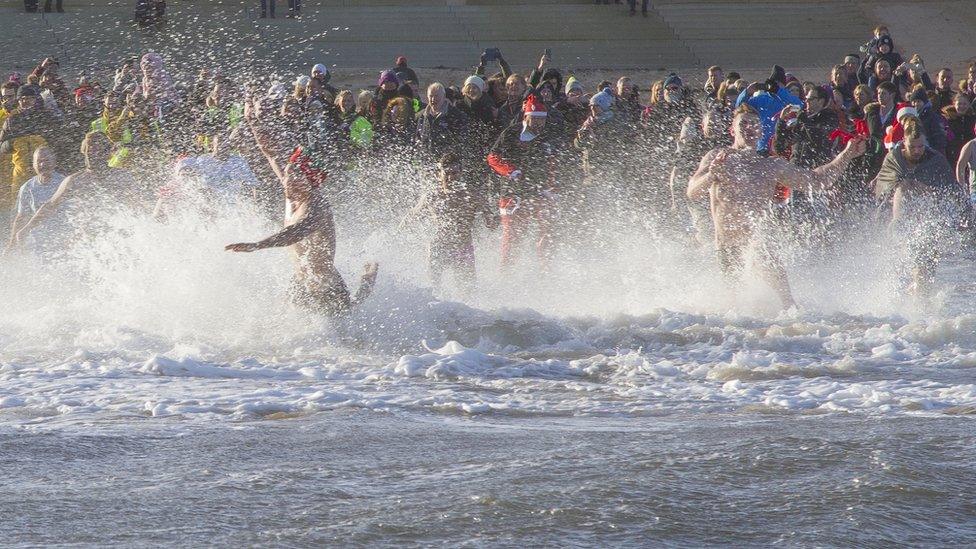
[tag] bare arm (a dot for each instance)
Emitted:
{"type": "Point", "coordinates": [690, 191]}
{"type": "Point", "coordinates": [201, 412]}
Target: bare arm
{"type": "Point", "coordinates": [702, 179]}
{"type": "Point", "coordinates": [963, 164]}
{"type": "Point", "coordinates": [792, 176]}
{"type": "Point", "coordinates": [293, 234]}
{"type": "Point", "coordinates": [264, 143]}
{"type": "Point", "coordinates": [45, 210]}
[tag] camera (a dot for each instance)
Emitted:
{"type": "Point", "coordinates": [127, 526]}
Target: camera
{"type": "Point", "coordinates": [491, 54]}
{"type": "Point", "coordinates": [870, 47]}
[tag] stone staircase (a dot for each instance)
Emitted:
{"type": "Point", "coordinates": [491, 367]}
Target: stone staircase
{"type": "Point", "coordinates": [368, 34]}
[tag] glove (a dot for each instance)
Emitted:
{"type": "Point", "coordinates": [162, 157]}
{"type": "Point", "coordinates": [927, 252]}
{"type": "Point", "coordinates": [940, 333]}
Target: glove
{"type": "Point", "coordinates": [515, 175]}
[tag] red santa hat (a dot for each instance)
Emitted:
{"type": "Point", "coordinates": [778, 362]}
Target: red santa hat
{"type": "Point", "coordinates": [534, 106]}
{"type": "Point", "coordinates": [905, 109]}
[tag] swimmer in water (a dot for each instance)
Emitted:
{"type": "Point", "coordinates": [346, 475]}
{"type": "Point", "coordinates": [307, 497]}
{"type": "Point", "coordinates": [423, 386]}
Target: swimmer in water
{"type": "Point", "coordinates": [310, 233]}
{"type": "Point", "coordinates": [741, 185]}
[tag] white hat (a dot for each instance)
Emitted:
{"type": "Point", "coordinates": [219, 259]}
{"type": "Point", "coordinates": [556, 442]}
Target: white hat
{"type": "Point", "coordinates": [319, 67]}
{"type": "Point", "coordinates": [478, 81]}
{"type": "Point", "coordinates": [906, 111]}
{"type": "Point", "coordinates": [302, 81]}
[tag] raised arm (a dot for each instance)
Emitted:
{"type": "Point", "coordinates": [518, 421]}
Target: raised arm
{"type": "Point", "coordinates": [792, 176]}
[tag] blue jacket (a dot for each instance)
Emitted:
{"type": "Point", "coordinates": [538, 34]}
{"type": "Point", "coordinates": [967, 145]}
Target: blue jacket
{"type": "Point", "coordinates": [768, 106]}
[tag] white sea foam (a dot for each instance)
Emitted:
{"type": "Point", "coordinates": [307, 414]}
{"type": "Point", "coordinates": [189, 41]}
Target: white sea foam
{"type": "Point", "coordinates": [157, 320]}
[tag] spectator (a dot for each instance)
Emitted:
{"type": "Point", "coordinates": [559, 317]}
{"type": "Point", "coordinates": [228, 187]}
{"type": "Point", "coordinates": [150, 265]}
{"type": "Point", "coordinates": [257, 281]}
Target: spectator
{"type": "Point", "coordinates": [852, 65]}
{"type": "Point", "coordinates": [961, 119]}
{"type": "Point", "coordinates": [441, 127]}
{"type": "Point", "coordinates": [842, 88]}
{"type": "Point", "coordinates": [943, 87]}
{"type": "Point", "coordinates": [511, 110]}
{"type": "Point", "coordinates": [714, 80]}
{"type": "Point", "coordinates": [294, 9]}
{"type": "Point", "coordinates": [47, 6]}
{"type": "Point", "coordinates": [932, 122]}
{"type": "Point", "coordinates": [628, 106]}
{"type": "Point", "coordinates": [267, 6]}
{"type": "Point", "coordinates": [386, 91]}
{"type": "Point", "coordinates": [633, 7]}
{"type": "Point", "coordinates": [768, 100]}
{"type": "Point", "coordinates": [806, 133]}
{"type": "Point", "coordinates": [887, 99]}
{"type": "Point", "coordinates": [404, 73]}
{"type": "Point", "coordinates": [882, 73]}
{"type": "Point", "coordinates": [475, 103]}
{"type": "Point", "coordinates": [26, 130]}
{"type": "Point", "coordinates": [150, 12]}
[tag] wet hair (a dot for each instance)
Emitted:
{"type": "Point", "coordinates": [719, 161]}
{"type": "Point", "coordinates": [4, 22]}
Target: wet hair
{"type": "Point", "coordinates": [913, 127]}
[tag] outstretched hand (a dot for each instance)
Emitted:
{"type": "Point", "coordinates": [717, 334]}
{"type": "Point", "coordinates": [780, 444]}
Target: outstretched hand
{"type": "Point", "coordinates": [241, 247]}
{"type": "Point", "coordinates": [855, 147]}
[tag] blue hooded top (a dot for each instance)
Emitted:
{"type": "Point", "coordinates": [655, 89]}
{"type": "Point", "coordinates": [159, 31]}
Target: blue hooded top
{"type": "Point", "coordinates": [768, 106]}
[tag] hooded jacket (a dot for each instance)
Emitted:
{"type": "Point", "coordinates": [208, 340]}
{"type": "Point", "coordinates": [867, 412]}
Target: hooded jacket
{"type": "Point", "coordinates": [768, 106]}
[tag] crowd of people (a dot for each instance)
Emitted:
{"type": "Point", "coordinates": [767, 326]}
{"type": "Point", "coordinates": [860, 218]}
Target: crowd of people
{"type": "Point", "coordinates": [723, 166]}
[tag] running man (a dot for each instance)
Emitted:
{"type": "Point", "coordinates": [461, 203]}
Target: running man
{"type": "Point", "coordinates": [741, 185]}
{"type": "Point", "coordinates": [310, 233]}
{"type": "Point", "coordinates": [925, 202]}
{"type": "Point", "coordinates": [452, 208]}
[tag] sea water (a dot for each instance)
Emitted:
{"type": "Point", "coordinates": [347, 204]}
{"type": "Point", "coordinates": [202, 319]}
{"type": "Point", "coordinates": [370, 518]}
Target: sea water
{"type": "Point", "coordinates": [157, 390]}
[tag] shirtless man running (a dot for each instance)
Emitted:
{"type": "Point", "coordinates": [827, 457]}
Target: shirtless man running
{"type": "Point", "coordinates": [310, 233]}
{"type": "Point", "coordinates": [741, 185]}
